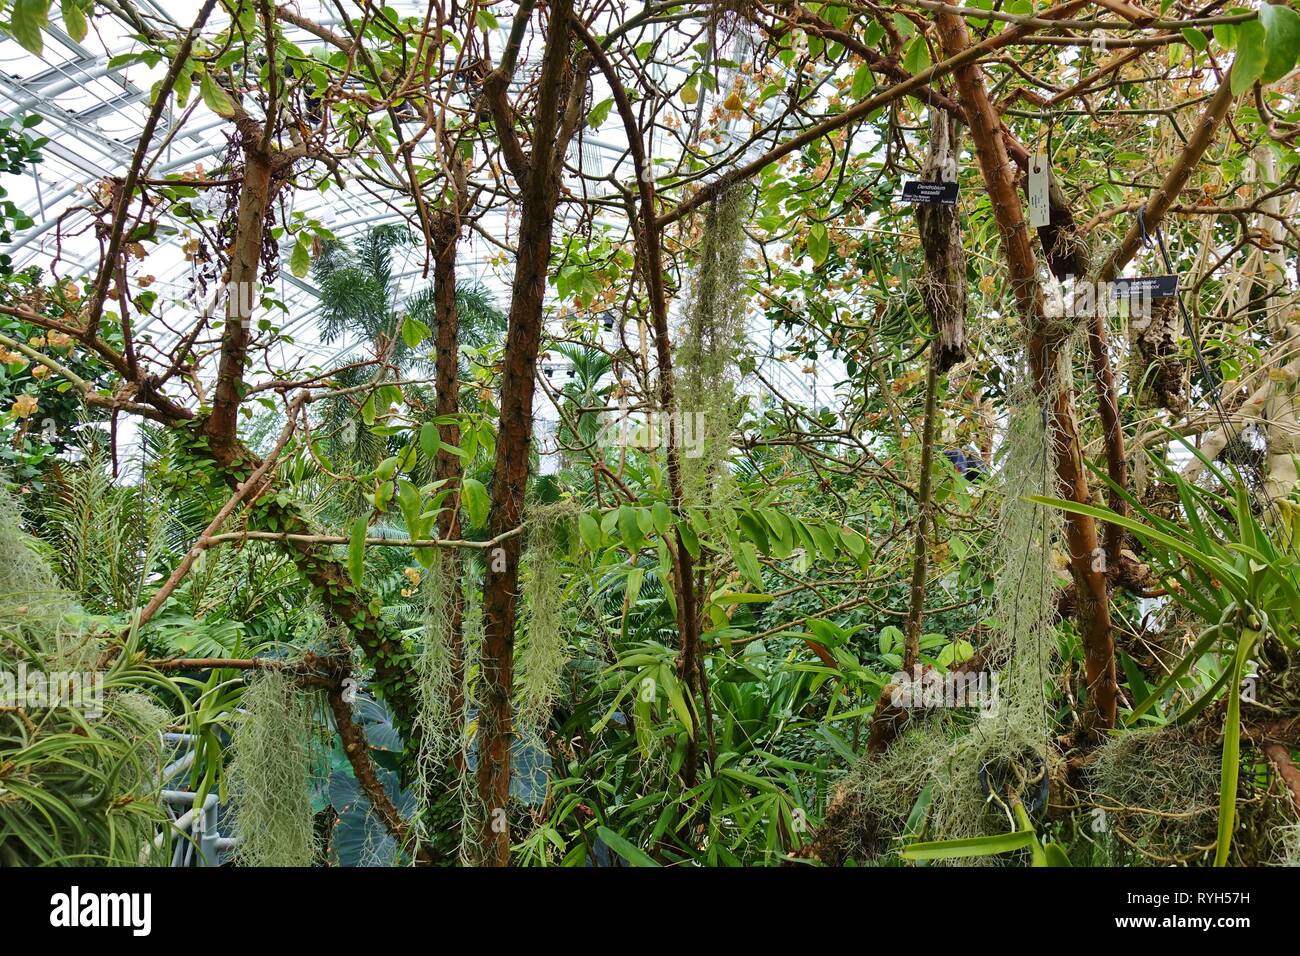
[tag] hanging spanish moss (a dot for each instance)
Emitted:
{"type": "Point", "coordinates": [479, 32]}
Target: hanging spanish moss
{"type": "Point", "coordinates": [1009, 751]}
{"type": "Point", "coordinates": [25, 574]}
{"type": "Point", "coordinates": [1026, 574]}
{"type": "Point", "coordinates": [437, 733]}
{"type": "Point", "coordinates": [270, 775]}
{"type": "Point", "coordinates": [975, 766]}
{"type": "Point", "coordinates": [545, 648]}
{"type": "Point", "coordinates": [708, 360]}
{"type": "Point", "coordinates": [472, 811]}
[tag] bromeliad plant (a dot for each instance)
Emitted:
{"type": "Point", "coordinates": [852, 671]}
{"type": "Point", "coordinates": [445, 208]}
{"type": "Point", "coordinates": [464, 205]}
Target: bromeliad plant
{"type": "Point", "coordinates": [1234, 565]}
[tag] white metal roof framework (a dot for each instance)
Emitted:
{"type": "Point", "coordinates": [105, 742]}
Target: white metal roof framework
{"type": "Point", "coordinates": [94, 108]}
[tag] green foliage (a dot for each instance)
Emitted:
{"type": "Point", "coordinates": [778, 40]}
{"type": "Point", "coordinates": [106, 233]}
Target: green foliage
{"type": "Point", "coordinates": [79, 776]}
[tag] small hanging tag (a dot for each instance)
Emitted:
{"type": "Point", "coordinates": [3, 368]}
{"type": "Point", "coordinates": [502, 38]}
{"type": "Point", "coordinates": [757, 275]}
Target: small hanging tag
{"type": "Point", "coordinates": [1149, 287]}
{"type": "Point", "coordinates": [927, 192]}
{"type": "Point", "coordinates": [1040, 213]}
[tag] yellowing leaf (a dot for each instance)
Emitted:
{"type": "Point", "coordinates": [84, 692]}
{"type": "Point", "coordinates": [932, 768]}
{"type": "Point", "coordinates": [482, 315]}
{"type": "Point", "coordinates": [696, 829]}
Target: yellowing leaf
{"type": "Point", "coordinates": [214, 97]}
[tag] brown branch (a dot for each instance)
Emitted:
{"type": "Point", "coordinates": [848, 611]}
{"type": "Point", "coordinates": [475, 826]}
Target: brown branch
{"type": "Point", "coordinates": [1280, 756]}
{"type": "Point", "coordinates": [861, 109]}
{"type": "Point", "coordinates": [357, 749]}
{"type": "Point", "coordinates": [1055, 394]}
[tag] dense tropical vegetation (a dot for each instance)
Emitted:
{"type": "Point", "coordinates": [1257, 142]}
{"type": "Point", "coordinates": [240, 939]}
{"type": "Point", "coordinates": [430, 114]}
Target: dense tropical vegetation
{"type": "Point", "coordinates": [869, 531]}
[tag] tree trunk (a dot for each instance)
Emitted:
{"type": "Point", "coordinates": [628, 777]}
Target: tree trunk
{"type": "Point", "coordinates": [255, 194]}
{"type": "Point", "coordinates": [447, 465]}
{"type": "Point", "coordinates": [1052, 389]}
{"type": "Point", "coordinates": [539, 176]}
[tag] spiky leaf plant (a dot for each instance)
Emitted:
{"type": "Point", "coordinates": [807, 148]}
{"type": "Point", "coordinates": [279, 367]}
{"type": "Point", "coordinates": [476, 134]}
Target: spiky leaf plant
{"type": "Point", "coordinates": [79, 772]}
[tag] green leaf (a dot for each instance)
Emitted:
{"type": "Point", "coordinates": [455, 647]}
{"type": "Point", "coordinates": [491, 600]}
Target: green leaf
{"type": "Point", "coordinates": [624, 849]}
{"type": "Point", "coordinates": [662, 516]}
{"type": "Point", "coordinates": [747, 562]}
{"type": "Point", "coordinates": [819, 243]}
{"type": "Point", "coordinates": [629, 527]}
{"type": "Point", "coordinates": [916, 55]}
{"type": "Point", "coordinates": [589, 531]}
{"type": "Point", "coordinates": [1228, 577]}
{"type": "Point", "coordinates": [1252, 56]}
{"type": "Point", "coordinates": [475, 499]}
{"type": "Point", "coordinates": [29, 17]}
{"type": "Point", "coordinates": [689, 538]}
{"type": "Point", "coordinates": [300, 259]}
{"type": "Point", "coordinates": [864, 81]}
{"type": "Point", "coordinates": [214, 97]}
{"type": "Point", "coordinates": [1054, 853]}
{"type": "Point", "coordinates": [357, 552]}
{"type": "Point", "coordinates": [1230, 769]}
{"type": "Point", "coordinates": [856, 544]}
{"type": "Point", "coordinates": [429, 440]}
{"type": "Point", "coordinates": [183, 86]}
{"type": "Point", "coordinates": [1281, 40]}
{"type": "Point", "coordinates": [599, 113]}
{"type": "Point", "coordinates": [74, 20]}
{"type": "Point", "coordinates": [754, 529]}
{"type": "Point", "coordinates": [413, 331]}
{"type": "Point", "coordinates": [971, 847]}
{"type": "Point", "coordinates": [1195, 39]}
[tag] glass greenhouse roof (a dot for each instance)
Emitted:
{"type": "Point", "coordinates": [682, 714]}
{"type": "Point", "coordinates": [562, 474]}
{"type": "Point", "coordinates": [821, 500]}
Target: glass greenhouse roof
{"type": "Point", "coordinates": [94, 99]}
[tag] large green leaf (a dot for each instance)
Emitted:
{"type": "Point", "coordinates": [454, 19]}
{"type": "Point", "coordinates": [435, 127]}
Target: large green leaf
{"type": "Point", "coordinates": [624, 849]}
{"type": "Point", "coordinates": [1252, 56]}
{"type": "Point", "coordinates": [474, 496]}
{"type": "Point", "coordinates": [1281, 40]}
{"type": "Point", "coordinates": [970, 847]}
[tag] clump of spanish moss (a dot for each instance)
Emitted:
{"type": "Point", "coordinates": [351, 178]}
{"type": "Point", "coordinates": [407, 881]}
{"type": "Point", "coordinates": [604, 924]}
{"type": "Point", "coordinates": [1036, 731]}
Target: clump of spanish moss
{"type": "Point", "coordinates": [1289, 841]}
{"type": "Point", "coordinates": [708, 359]}
{"type": "Point", "coordinates": [1158, 792]}
{"type": "Point", "coordinates": [270, 776]}
{"type": "Point", "coordinates": [545, 648]}
{"type": "Point", "coordinates": [870, 806]}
